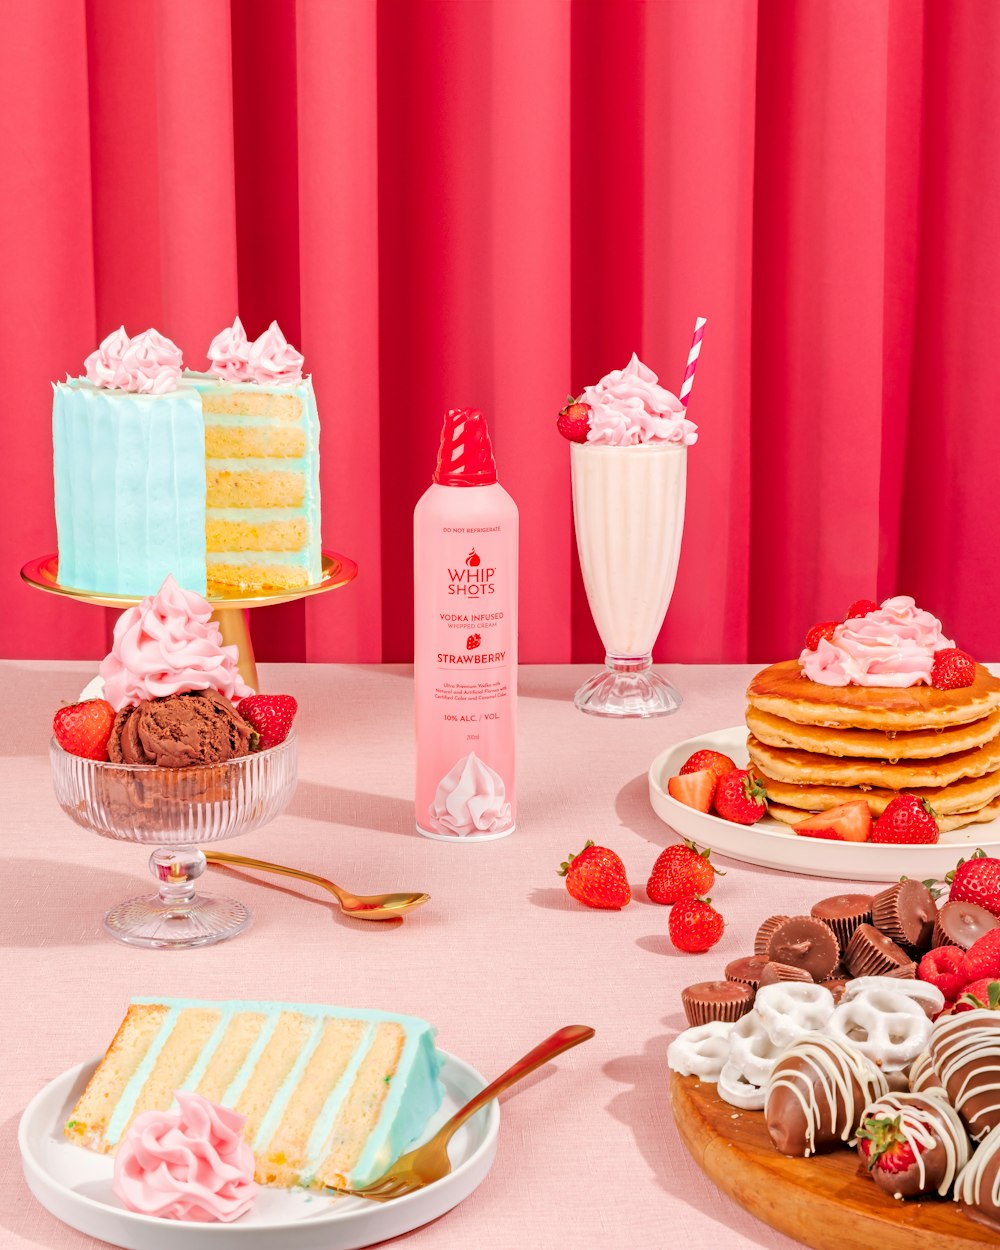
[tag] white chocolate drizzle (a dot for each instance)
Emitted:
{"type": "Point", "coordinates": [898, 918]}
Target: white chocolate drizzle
{"type": "Point", "coordinates": [925, 1120]}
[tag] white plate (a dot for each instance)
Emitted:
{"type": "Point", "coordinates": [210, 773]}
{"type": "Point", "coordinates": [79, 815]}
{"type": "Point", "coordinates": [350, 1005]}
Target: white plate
{"type": "Point", "coordinates": [75, 1184]}
{"type": "Point", "coordinates": [770, 844]}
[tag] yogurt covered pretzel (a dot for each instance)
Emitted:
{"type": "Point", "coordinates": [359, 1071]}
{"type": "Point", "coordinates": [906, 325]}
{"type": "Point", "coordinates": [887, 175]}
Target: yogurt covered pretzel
{"type": "Point", "coordinates": [752, 1054]}
{"type": "Point", "coordinates": [888, 1027]}
{"type": "Point", "coordinates": [701, 1051]}
{"type": "Point", "coordinates": [789, 1010]}
{"type": "Point", "coordinates": [928, 996]}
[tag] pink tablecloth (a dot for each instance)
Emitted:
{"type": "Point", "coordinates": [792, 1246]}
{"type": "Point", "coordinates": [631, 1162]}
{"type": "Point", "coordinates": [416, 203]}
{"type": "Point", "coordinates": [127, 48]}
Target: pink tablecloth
{"type": "Point", "coordinates": [588, 1154]}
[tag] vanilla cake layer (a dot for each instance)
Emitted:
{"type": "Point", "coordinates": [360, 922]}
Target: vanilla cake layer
{"type": "Point", "coordinates": [331, 1096]}
{"type": "Point", "coordinates": [214, 482]}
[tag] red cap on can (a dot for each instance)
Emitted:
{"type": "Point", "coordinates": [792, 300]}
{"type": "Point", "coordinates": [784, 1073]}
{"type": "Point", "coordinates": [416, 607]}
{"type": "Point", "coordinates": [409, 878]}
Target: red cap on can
{"type": "Point", "coordinates": [466, 454]}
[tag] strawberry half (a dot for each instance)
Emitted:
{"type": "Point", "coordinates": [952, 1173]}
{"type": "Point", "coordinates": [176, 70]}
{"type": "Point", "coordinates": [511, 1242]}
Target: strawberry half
{"type": "Point", "coordinates": [271, 715]}
{"type": "Point", "coordinates": [84, 728]}
{"type": "Point", "coordinates": [719, 764]}
{"type": "Point", "coordinates": [850, 822]}
{"type": "Point", "coordinates": [573, 421]}
{"type": "Point", "coordinates": [694, 789]}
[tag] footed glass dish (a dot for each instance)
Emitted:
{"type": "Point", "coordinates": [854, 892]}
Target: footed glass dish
{"type": "Point", "coordinates": [174, 809]}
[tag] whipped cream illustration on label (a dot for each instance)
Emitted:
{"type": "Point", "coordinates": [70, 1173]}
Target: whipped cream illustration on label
{"type": "Point", "coordinates": [471, 798]}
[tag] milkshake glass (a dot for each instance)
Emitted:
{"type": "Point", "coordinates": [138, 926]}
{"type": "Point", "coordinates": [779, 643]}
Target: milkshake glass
{"type": "Point", "coordinates": [628, 510]}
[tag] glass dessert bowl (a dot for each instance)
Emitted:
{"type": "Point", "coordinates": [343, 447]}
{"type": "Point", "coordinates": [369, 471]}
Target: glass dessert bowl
{"type": "Point", "coordinates": [174, 809]}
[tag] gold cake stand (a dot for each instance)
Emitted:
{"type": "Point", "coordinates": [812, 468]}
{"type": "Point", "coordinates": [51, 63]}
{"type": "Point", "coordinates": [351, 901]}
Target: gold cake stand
{"type": "Point", "coordinates": [230, 604]}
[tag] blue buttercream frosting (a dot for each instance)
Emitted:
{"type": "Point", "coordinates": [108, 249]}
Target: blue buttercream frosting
{"type": "Point", "coordinates": [129, 488]}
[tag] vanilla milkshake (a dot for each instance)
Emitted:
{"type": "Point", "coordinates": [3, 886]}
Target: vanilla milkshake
{"type": "Point", "coordinates": [629, 471]}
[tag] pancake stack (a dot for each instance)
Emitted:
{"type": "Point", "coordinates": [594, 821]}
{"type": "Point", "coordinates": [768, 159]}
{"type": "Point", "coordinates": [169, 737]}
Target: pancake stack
{"type": "Point", "coordinates": [815, 746]}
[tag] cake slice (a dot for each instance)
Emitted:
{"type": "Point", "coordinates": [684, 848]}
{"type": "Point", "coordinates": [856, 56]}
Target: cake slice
{"type": "Point", "coordinates": [332, 1096]}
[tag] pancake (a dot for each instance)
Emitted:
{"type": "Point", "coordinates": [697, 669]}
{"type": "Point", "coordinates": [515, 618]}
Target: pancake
{"type": "Point", "coordinates": [792, 815]}
{"type": "Point", "coordinates": [960, 797]}
{"type": "Point", "coordinates": [783, 691]}
{"type": "Point", "coordinates": [879, 744]}
{"type": "Point", "coordinates": [811, 768]}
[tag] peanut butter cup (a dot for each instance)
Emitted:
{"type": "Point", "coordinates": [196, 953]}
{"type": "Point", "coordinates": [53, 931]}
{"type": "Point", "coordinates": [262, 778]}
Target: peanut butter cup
{"type": "Point", "coordinates": [872, 954]}
{"type": "Point", "coordinates": [905, 972]}
{"type": "Point", "coordinates": [905, 912]}
{"type": "Point", "coordinates": [747, 969]}
{"type": "Point", "coordinates": [764, 933]}
{"type": "Point", "coordinates": [807, 943]}
{"type": "Point", "coordinates": [716, 1000]}
{"type": "Point", "coordinates": [775, 972]}
{"type": "Point", "coordinates": [843, 913]}
{"type": "Point", "coordinates": [836, 986]}
{"type": "Point", "coordinates": [961, 924]}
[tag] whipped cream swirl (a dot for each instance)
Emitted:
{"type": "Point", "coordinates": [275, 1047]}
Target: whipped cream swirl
{"type": "Point", "coordinates": [894, 646]}
{"type": "Point", "coordinates": [166, 645]}
{"type": "Point", "coordinates": [192, 1164]}
{"type": "Point", "coordinates": [470, 798]}
{"type": "Point", "coordinates": [149, 364]}
{"type": "Point", "coordinates": [628, 407]}
{"type": "Point", "coordinates": [229, 353]}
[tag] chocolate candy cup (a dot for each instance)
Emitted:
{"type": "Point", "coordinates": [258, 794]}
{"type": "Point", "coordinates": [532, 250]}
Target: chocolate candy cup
{"type": "Point", "coordinates": [961, 924]}
{"type": "Point", "coordinates": [747, 969]}
{"type": "Point", "coordinates": [872, 954]}
{"type": "Point", "coordinates": [807, 943]}
{"type": "Point", "coordinates": [716, 1000]}
{"type": "Point", "coordinates": [843, 913]}
{"type": "Point", "coordinates": [836, 986]}
{"type": "Point", "coordinates": [764, 933]}
{"type": "Point", "coordinates": [775, 972]}
{"type": "Point", "coordinates": [905, 912]}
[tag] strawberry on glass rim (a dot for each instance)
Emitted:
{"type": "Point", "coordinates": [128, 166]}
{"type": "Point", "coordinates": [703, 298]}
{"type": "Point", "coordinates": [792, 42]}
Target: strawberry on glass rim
{"type": "Point", "coordinates": [573, 422]}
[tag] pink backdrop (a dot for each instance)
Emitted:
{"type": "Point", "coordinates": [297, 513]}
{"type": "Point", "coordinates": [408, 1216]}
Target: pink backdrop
{"type": "Point", "coordinates": [493, 203]}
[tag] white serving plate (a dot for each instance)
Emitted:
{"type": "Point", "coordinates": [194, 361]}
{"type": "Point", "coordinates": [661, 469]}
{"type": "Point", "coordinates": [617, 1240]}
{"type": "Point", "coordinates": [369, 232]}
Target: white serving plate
{"type": "Point", "coordinates": [75, 1184]}
{"type": "Point", "coordinates": [770, 844]}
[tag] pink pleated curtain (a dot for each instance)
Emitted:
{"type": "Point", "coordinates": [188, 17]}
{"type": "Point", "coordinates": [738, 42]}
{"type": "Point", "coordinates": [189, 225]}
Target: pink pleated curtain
{"type": "Point", "coordinates": [493, 202]}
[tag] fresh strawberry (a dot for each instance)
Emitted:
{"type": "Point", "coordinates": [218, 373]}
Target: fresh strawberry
{"type": "Point", "coordinates": [850, 822]}
{"type": "Point", "coordinates": [473, 642]}
{"type": "Point", "coordinates": [884, 1146]}
{"type": "Point", "coordinates": [271, 715]}
{"type": "Point", "coordinates": [740, 797]}
{"type": "Point", "coordinates": [823, 630]}
{"type": "Point", "coordinates": [574, 421]}
{"type": "Point", "coordinates": [715, 760]}
{"type": "Point", "coordinates": [861, 607]}
{"type": "Point", "coordinates": [906, 818]}
{"type": "Point", "coordinates": [977, 880]}
{"type": "Point", "coordinates": [84, 728]}
{"type": "Point", "coordinates": [942, 967]}
{"type": "Point", "coordinates": [694, 789]}
{"type": "Point", "coordinates": [597, 878]}
{"type": "Point", "coordinates": [982, 959]}
{"type": "Point", "coordinates": [680, 871]}
{"type": "Point", "coordinates": [694, 925]}
{"type": "Point", "coordinates": [981, 995]}
{"type": "Point", "coordinates": [953, 669]}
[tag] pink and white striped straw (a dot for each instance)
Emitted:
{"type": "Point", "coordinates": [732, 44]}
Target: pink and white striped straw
{"type": "Point", "coordinates": [693, 354]}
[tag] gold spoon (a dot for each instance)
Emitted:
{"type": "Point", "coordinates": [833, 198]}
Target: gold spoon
{"type": "Point", "coordinates": [359, 906]}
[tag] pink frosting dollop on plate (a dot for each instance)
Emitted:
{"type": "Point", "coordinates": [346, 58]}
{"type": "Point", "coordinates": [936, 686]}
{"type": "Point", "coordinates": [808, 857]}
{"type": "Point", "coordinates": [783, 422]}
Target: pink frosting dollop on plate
{"type": "Point", "coordinates": [190, 1164]}
{"type": "Point", "coordinates": [169, 644]}
{"type": "Point", "coordinates": [894, 646]}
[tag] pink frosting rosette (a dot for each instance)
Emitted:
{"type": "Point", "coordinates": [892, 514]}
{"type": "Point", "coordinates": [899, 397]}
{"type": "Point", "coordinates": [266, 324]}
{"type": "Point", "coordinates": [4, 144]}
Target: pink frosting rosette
{"type": "Point", "coordinates": [894, 646]}
{"type": "Point", "coordinates": [272, 359]}
{"type": "Point", "coordinates": [470, 798]}
{"type": "Point", "coordinates": [229, 353]}
{"type": "Point", "coordinates": [628, 406]}
{"type": "Point", "coordinates": [150, 363]}
{"type": "Point", "coordinates": [166, 645]}
{"type": "Point", "coordinates": [191, 1164]}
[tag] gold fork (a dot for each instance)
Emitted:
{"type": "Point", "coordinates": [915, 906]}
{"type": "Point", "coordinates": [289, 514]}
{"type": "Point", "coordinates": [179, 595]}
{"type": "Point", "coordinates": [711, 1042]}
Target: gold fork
{"type": "Point", "coordinates": [430, 1162]}
{"type": "Point", "coordinates": [359, 906]}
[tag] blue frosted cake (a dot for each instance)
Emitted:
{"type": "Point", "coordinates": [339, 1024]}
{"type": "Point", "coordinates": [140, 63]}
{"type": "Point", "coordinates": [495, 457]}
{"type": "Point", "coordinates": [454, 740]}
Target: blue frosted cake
{"type": "Point", "coordinates": [332, 1097]}
{"type": "Point", "coordinates": [211, 477]}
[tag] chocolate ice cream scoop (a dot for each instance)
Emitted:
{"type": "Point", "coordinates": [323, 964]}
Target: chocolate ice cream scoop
{"type": "Point", "coordinates": [181, 730]}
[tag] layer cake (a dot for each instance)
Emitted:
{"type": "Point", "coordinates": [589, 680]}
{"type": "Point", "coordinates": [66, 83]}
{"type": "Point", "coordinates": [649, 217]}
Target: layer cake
{"type": "Point", "coordinates": [332, 1096]}
{"type": "Point", "coordinates": [210, 477]}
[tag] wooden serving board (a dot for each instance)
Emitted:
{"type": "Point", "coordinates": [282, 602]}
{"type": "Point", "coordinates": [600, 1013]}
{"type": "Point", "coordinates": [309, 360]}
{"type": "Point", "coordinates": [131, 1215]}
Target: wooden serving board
{"type": "Point", "coordinates": [826, 1201]}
